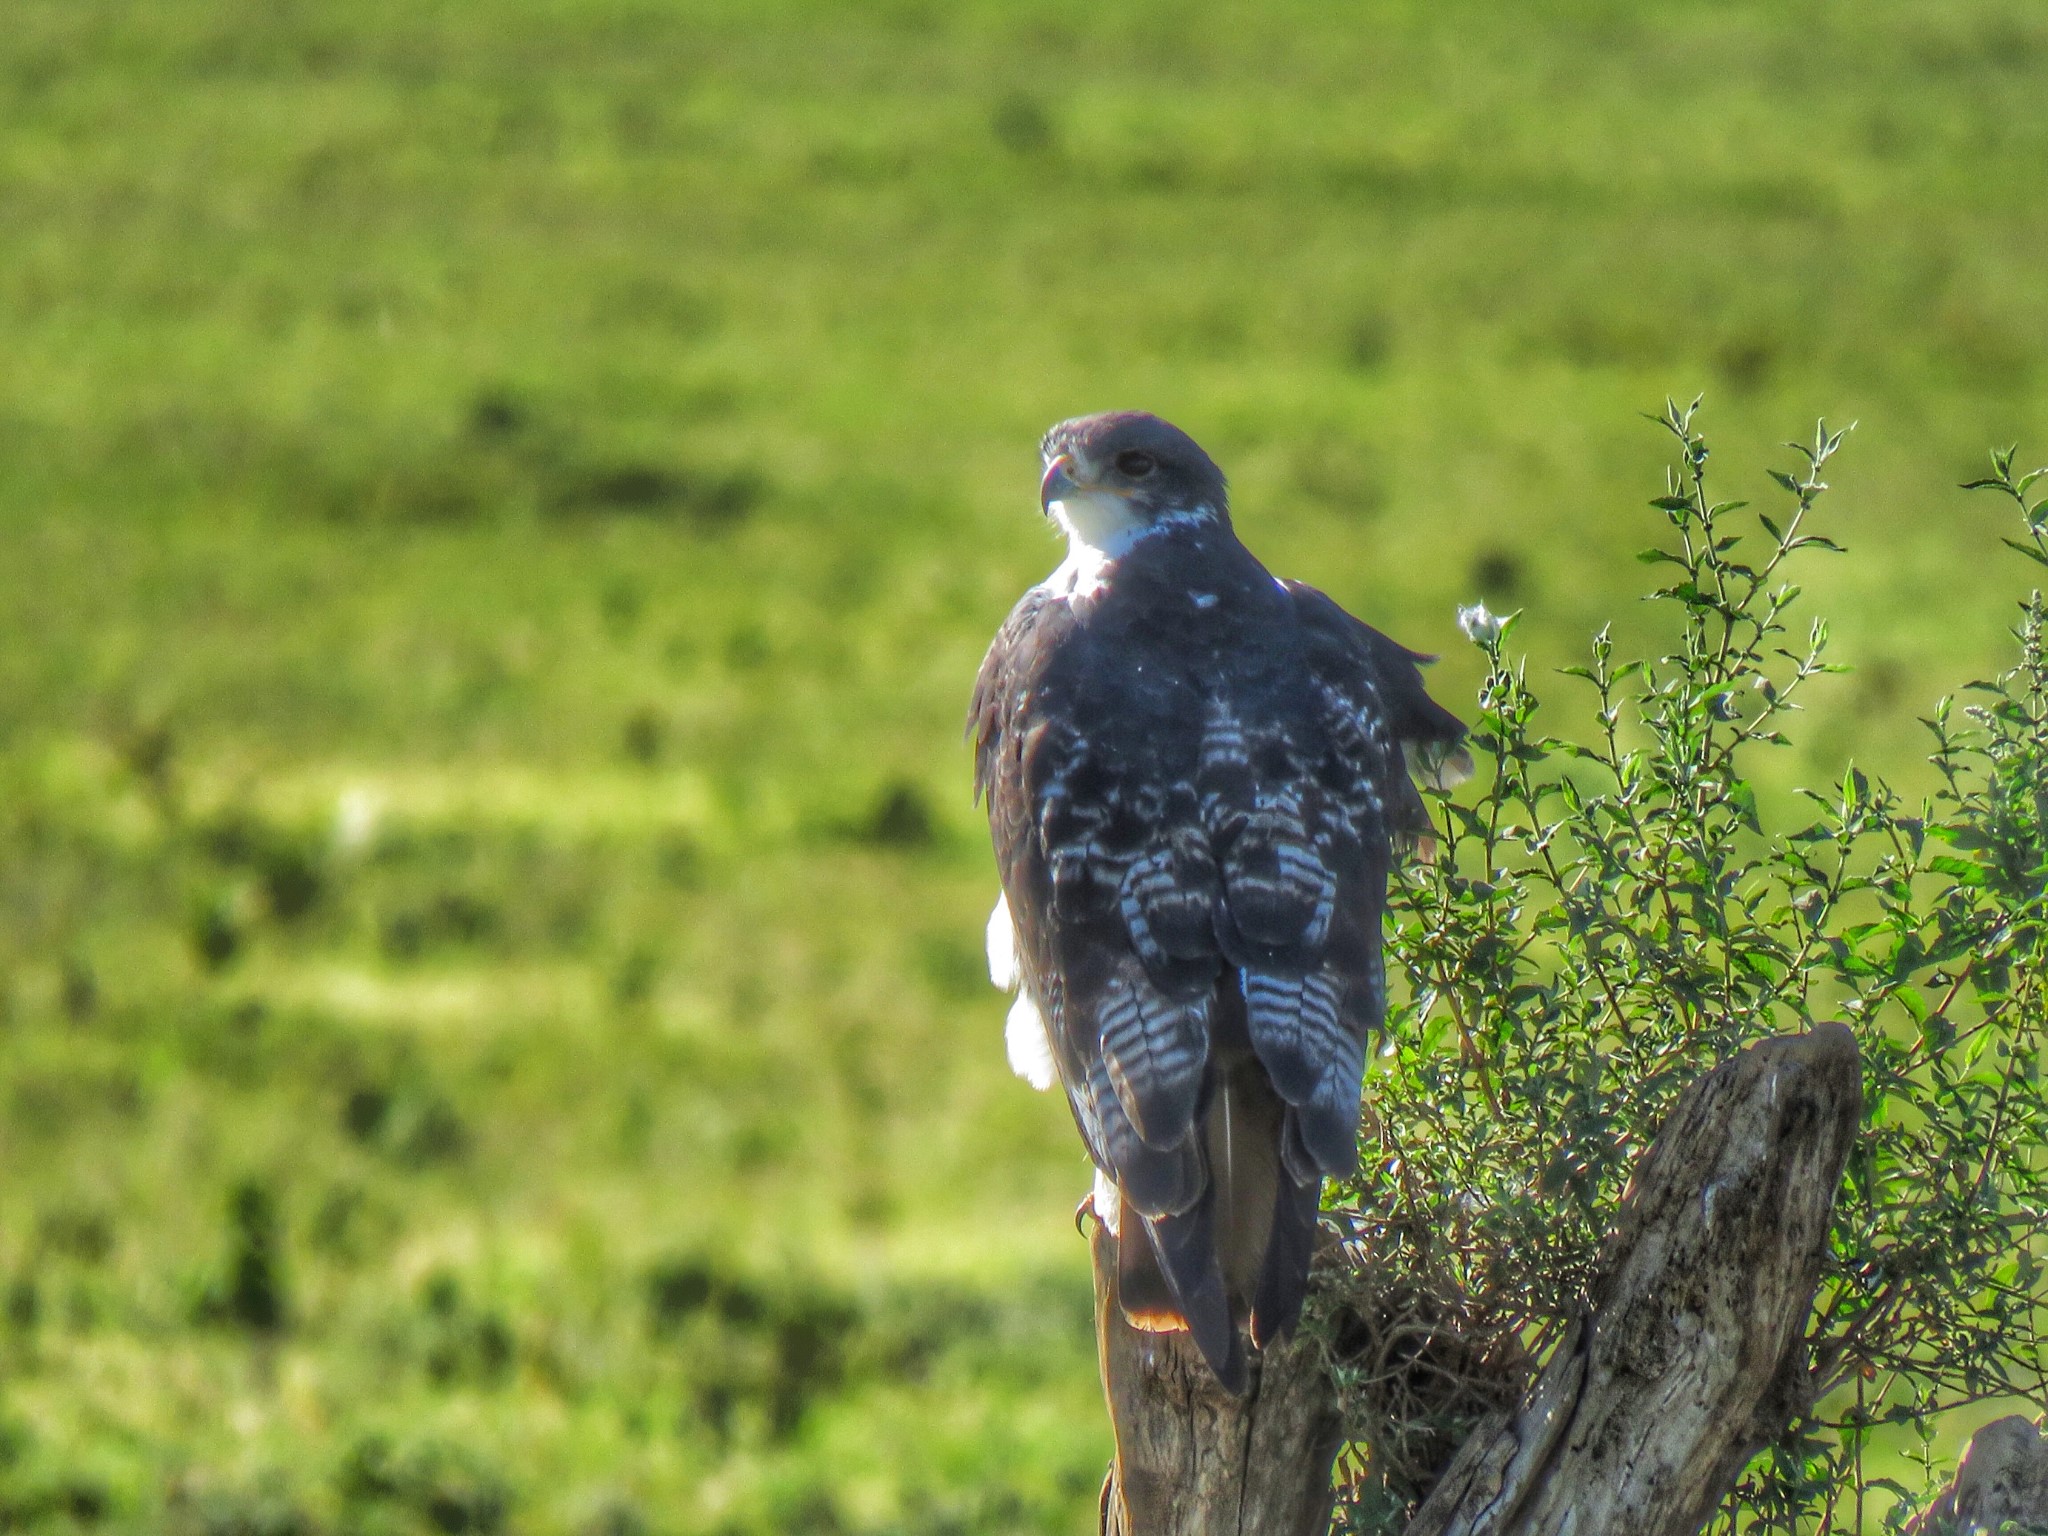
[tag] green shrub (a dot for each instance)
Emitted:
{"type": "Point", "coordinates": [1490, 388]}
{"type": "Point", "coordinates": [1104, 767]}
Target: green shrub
{"type": "Point", "coordinates": [1615, 910]}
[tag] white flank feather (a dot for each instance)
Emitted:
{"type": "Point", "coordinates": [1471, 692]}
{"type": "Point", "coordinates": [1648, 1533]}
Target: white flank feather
{"type": "Point", "coordinates": [1002, 947]}
{"type": "Point", "coordinates": [1029, 1047]}
{"type": "Point", "coordinates": [1108, 1203]}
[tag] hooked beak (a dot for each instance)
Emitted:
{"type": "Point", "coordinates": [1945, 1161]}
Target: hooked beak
{"type": "Point", "coordinates": [1058, 483]}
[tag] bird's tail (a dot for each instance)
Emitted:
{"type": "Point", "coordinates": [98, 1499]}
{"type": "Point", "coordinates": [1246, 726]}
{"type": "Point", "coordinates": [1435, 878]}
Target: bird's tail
{"type": "Point", "coordinates": [1168, 1279]}
{"type": "Point", "coordinates": [1240, 1254]}
{"type": "Point", "coordinates": [1283, 1274]}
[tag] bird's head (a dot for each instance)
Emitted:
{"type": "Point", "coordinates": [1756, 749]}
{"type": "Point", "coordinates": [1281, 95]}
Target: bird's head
{"type": "Point", "coordinates": [1116, 475]}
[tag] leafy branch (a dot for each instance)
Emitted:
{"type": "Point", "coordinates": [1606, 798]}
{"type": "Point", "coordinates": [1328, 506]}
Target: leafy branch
{"type": "Point", "coordinates": [1613, 912]}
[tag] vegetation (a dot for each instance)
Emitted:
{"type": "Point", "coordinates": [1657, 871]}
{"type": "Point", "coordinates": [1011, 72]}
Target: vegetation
{"type": "Point", "coordinates": [1614, 914]}
{"type": "Point", "coordinates": [500, 507]}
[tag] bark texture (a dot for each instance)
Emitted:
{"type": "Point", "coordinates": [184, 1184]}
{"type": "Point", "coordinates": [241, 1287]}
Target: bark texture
{"type": "Point", "coordinates": [1191, 1460]}
{"type": "Point", "coordinates": [1689, 1355]}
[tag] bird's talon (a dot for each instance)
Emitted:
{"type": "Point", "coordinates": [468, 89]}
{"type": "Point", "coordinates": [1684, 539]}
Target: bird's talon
{"type": "Point", "coordinates": [1084, 1211]}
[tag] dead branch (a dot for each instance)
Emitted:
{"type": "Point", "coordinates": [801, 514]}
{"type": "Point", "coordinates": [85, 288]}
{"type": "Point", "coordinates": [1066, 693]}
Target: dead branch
{"type": "Point", "coordinates": [2003, 1480]}
{"type": "Point", "coordinates": [1688, 1358]}
{"type": "Point", "coordinates": [1690, 1355]}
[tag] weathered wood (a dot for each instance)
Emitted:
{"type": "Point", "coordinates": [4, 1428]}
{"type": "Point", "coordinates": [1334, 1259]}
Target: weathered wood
{"type": "Point", "coordinates": [1192, 1460]}
{"type": "Point", "coordinates": [2003, 1478]}
{"type": "Point", "coordinates": [1689, 1356]}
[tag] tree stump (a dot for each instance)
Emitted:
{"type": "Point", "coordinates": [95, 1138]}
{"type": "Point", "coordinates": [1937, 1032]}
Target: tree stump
{"type": "Point", "coordinates": [2003, 1479]}
{"type": "Point", "coordinates": [1688, 1358]}
{"type": "Point", "coordinates": [1191, 1460]}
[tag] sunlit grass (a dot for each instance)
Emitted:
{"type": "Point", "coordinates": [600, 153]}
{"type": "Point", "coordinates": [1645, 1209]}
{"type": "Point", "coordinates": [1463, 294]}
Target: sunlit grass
{"type": "Point", "coordinates": [499, 511]}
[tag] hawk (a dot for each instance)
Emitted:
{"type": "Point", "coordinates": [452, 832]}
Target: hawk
{"type": "Point", "coordinates": [1197, 778]}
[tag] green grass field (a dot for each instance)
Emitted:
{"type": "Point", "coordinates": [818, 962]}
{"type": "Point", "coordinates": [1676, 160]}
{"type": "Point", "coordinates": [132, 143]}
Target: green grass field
{"type": "Point", "coordinates": [500, 507]}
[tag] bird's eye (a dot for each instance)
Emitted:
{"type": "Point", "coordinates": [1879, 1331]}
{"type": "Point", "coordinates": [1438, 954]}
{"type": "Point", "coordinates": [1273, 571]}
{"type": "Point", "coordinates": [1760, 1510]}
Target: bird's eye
{"type": "Point", "coordinates": [1135, 463]}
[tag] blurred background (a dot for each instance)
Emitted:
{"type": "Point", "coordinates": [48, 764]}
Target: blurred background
{"type": "Point", "coordinates": [500, 508]}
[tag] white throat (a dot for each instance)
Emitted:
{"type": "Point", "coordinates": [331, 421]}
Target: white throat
{"type": "Point", "coordinates": [1101, 529]}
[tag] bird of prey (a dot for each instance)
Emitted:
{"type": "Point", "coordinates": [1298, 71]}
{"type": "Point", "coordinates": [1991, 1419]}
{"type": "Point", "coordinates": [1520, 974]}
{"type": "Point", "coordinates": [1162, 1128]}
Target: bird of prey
{"type": "Point", "coordinates": [1197, 778]}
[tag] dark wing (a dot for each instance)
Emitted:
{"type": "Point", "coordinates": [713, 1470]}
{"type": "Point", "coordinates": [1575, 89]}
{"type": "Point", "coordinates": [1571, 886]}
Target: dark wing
{"type": "Point", "coordinates": [1432, 738]}
{"type": "Point", "coordinates": [1312, 804]}
{"type": "Point", "coordinates": [1104, 868]}
{"type": "Point", "coordinates": [1320, 808]}
{"type": "Point", "coordinates": [1305, 790]}
{"type": "Point", "coordinates": [1112, 890]}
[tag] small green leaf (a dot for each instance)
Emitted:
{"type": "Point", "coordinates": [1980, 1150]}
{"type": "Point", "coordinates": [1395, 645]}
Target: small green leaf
{"type": "Point", "coordinates": [2038, 556]}
{"type": "Point", "coordinates": [1962, 871]}
{"type": "Point", "coordinates": [1936, 1032]}
{"type": "Point", "coordinates": [1742, 796]}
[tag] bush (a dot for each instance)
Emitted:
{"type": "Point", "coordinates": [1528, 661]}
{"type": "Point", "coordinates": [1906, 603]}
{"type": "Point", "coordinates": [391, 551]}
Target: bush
{"type": "Point", "coordinates": [1615, 911]}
